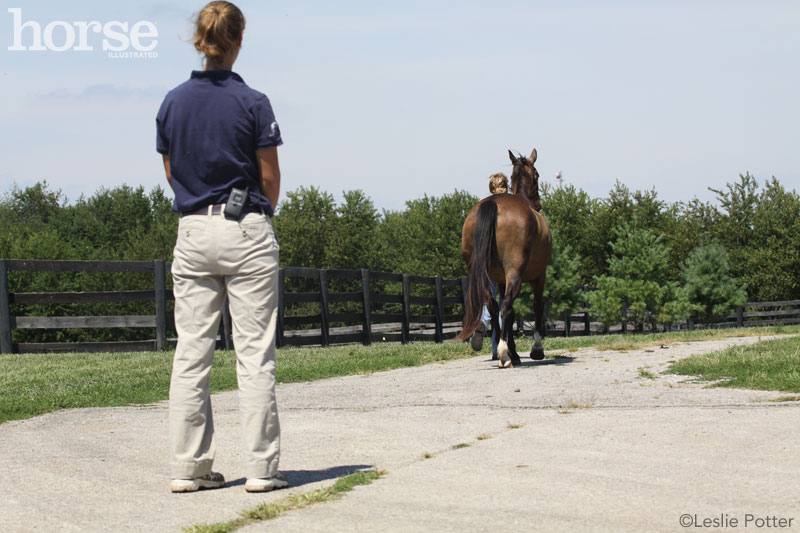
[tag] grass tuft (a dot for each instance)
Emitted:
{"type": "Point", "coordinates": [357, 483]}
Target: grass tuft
{"type": "Point", "coordinates": [646, 374]}
{"type": "Point", "coordinates": [572, 404]}
{"type": "Point", "coordinates": [461, 445]}
{"type": "Point", "coordinates": [785, 399]}
{"type": "Point", "coordinates": [272, 510]}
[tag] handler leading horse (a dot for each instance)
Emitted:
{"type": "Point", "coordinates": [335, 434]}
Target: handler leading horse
{"type": "Point", "coordinates": [506, 240]}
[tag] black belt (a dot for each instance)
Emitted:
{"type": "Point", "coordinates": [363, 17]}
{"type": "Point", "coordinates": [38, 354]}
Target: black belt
{"type": "Point", "coordinates": [217, 210]}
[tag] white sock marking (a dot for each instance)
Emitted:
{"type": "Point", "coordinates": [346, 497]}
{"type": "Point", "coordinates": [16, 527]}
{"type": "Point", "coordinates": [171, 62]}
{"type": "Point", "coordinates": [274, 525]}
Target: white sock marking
{"type": "Point", "coordinates": [502, 353]}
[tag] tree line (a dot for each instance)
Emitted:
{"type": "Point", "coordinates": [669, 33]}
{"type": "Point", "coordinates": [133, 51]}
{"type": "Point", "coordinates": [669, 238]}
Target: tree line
{"type": "Point", "coordinates": [662, 260]}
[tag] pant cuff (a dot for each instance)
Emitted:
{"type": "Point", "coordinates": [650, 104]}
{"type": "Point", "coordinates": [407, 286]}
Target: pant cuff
{"type": "Point", "coordinates": [261, 469]}
{"type": "Point", "coordinates": [190, 470]}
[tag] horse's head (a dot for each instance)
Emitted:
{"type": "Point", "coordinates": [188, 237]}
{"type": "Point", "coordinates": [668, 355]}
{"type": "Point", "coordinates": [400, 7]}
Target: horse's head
{"type": "Point", "coordinates": [525, 179]}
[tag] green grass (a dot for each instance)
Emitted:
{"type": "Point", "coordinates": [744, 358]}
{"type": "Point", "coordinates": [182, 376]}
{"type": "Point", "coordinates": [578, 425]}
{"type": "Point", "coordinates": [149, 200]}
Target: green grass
{"type": "Point", "coordinates": [272, 510]}
{"type": "Point", "coordinates": [634, 341]}
{"type": "Point", "coordinates": [644, 373]}
{"type": "Point", "coordinates": [769, 365]}
{"type": "Point", "coordinates": [34, 384]}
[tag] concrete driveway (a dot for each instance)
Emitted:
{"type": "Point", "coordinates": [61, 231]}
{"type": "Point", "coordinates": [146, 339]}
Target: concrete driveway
{"type": "Point", "coordinates": [582, 443]}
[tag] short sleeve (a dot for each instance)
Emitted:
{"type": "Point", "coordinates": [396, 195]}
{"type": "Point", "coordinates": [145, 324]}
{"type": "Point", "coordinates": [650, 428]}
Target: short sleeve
{"type": "Point", "coordinates": [162, 138]}
{"type": "Point", "coordinates": [268, 134]}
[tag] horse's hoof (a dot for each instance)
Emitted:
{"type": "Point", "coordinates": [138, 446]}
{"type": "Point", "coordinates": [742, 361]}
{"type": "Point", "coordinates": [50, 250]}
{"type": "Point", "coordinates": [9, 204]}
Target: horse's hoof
{"type": "Point", "coordinates": [516, 361]}
{"type": "Point", "coordinates": [537, 354]}
{"type": "Point", "coordinates": [505, 364]}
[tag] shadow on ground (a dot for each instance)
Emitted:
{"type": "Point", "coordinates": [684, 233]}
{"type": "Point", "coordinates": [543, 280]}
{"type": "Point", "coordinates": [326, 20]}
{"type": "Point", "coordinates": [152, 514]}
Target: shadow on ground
{"type": "Point", "coordinates": [298, 478]}
{"type": "Point", "coordinates": [526, 362]}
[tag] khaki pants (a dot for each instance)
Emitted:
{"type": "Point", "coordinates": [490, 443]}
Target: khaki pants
{"type": "Point", "coordinates": [214, 256]}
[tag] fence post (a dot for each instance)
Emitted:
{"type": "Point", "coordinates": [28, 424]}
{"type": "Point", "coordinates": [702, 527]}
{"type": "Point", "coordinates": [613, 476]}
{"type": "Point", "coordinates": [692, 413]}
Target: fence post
{"type": "Point", "coordinates": [587, 324]}
{"type": "Point", "coordinates": [323, 303]}
{"type": "Point", "coordinates": [624, 318]}
{"type": "Point", "coordinates": [405, 334]}
{"type": "Point", "coordinates": [367, 321]}
{"type": "Point", "coordinates": [566, 323]}
{"type": "Point", "coordinates": [740, 316]}
{"type": "Point", "coordinates": [160, 273]}
{"type": "Point", "coordinates": [281, 285]}
{"type": "Point", "coordinates": [6, 346]}
{"type": "Point", "coordinates": [439, 311]}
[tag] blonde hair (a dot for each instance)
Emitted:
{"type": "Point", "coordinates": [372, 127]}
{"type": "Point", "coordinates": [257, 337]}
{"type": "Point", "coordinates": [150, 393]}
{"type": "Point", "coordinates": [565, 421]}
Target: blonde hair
{"type": "Point", "coordinates": [498, 183]}
{"type": "Point", "coordinates": [218, 28]}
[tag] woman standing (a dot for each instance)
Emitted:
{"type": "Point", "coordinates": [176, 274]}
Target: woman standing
{"type": "Point", "coordinates": [219, 140]}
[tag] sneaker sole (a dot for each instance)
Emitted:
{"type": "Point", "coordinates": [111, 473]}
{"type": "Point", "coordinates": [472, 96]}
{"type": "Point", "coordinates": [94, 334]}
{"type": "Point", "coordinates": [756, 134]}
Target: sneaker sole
{"type": "Point", "coordinates": [193, 485]}
{"type": "Point", "coordinates": [266, 487]}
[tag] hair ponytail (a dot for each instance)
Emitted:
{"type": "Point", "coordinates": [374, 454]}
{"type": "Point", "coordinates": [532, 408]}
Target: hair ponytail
{"type": "Point", "coordinates": [217, 29]}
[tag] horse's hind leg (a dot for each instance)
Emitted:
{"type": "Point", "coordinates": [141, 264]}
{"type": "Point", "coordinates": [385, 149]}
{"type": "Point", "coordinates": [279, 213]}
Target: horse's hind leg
{"type": "Point", "coordinates": [506, 347]}
{"type": "Point", "coordinates": [494, 311]}
{"type": "Point", "coordinates": [537, 352]}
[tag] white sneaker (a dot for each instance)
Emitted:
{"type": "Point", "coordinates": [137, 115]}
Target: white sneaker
{"type": "Point", "coordinates": [266, 484]}
{"type": "Point", "coordinates": [212, 480]}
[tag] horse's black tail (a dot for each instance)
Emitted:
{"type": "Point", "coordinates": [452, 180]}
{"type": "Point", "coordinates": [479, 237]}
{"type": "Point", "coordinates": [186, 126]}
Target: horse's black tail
{"type": "Point", "coordinates": [479, 291]}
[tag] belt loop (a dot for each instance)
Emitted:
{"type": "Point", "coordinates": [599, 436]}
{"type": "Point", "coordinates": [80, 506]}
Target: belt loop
{"type": "Point", "coordinates": [210, 208]}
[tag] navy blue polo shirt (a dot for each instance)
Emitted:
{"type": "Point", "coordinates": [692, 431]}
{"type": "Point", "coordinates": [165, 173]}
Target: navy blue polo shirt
{"type": "Point", "coordinates": [211, 126]}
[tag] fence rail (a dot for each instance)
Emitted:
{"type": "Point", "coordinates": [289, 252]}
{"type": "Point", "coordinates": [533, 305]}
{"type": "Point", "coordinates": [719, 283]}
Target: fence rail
{"type": "Point", "coordinates": [365, 324]}
{"type": "Point", "coordinates": [373, 307]}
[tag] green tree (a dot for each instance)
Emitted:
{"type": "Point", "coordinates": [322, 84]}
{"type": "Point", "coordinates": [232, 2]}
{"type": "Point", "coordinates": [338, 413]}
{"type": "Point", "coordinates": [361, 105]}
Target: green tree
{"type": "Point", "coordinates": [636, 276]}
{"type": "Point", "coordinates": [693, 224]}
{"type": "Point", "coordinates": [425, 239]}
{"type": "Point", "coordinates": [738, 202]}
{"type": "Point", "coordinates": [570, 212]}
{"type": "Point", "coordinates": [33, 208]}
{"type": "Point", "coordinates": [304, 225]}
{"type": "Point", "coordinates": [772, 259]}
{"type": "Point", "coordinates": [710, 290]}
{"type": "Point", "coordinates": [352, 243]}
{"type": "Point", "coordinates": [562, 292]}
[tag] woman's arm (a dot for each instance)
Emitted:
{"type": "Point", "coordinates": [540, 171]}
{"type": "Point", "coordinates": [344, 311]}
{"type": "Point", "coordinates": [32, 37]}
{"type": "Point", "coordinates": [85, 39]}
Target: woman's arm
{"type": "Point", "coordinates": [270, 174]}
{"type": "Point", "coordinates": [166, 169]}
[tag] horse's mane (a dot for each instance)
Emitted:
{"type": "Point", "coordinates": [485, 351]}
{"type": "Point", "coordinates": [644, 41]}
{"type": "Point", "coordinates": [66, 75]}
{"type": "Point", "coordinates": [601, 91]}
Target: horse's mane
{"type": "Point", "coordinates": [524, 185]}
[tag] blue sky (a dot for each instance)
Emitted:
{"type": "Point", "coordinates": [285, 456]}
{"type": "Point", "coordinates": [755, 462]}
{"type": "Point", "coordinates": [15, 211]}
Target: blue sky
{"type": "Point", "coordinates": [402, 99]}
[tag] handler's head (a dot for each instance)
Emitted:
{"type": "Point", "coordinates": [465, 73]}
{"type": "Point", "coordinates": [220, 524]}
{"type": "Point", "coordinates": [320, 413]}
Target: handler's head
{"type": "Point", "coordinates": [498, 183]}
{"type": "Point", "coordinates": [218, 30]}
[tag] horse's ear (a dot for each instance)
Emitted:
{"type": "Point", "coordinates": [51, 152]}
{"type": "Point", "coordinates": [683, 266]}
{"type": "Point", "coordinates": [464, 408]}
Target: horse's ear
{"type": "Point", "coordinates": [513, 159]}
{"type": "Point", "coordinates": [533, 156]}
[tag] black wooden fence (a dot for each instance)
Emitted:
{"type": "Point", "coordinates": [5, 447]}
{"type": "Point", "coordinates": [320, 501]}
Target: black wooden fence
{"type": "Point", "coordinates": [414, 316]}
{"type": "Point", "coordinates": [382, 307]}
{"type": "Point", "coordinates": [417, 316]}
{"type": "Point", "coordinates": [158, 321]}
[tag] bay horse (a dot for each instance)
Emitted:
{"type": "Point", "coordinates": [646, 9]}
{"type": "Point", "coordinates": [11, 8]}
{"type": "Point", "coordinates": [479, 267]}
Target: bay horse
{"type": "Point", "coordinates": [506, 240]}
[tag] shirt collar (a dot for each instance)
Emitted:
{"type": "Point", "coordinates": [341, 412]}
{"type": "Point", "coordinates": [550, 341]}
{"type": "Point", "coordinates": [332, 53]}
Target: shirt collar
{"type": "Point", "coordinates": [216, 75]}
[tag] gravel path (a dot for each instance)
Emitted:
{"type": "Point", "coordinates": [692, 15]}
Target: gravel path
{"type": "Point", "coordinates": [582, 443]}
